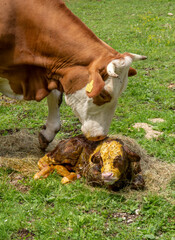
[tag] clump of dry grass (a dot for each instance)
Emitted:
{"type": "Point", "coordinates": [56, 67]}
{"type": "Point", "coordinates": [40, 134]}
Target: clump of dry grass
{"type": "Point", "coordinates": [157, 174]}
{"type": "Point", "coordinates": [20, 151]}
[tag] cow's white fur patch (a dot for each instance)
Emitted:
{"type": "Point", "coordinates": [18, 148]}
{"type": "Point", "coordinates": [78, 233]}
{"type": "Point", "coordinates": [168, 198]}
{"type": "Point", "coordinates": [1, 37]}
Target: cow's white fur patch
{"type": "Point", "coordinates": [96, 119]}
{"type": "Point", "coordinates": [7, 91]}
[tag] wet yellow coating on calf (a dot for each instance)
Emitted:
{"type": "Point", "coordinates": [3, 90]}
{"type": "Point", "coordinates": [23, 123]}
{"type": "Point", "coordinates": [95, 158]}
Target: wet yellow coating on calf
{"type": "Point", "coordinates": [109, 151]}
{"type": "Point", "coordinates": [45, 161]}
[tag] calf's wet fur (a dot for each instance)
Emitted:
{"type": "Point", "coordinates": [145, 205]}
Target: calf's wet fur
{"type": "Point", "coordinates": [108, 162]}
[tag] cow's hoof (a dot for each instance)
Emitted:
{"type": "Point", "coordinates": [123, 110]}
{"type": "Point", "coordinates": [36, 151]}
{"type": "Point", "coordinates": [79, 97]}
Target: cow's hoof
{"type": "Point", "coordinates": [43, 141]}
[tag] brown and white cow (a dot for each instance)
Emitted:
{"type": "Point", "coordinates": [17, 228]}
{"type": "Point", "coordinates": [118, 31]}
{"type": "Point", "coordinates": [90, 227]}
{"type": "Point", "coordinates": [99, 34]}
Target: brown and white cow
{"type": "Point", "coordinates": [46, 50]}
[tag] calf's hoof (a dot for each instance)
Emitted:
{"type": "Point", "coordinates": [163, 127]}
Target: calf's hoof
{"type": "Point", "coordinates": [69, 178]}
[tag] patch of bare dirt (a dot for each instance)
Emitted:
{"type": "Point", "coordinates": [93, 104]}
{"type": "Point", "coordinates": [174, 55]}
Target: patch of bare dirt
{"type": "Point", "coordinates": [148, 71]}
{"type": "Point", "coordinates": [171, 86]}
{"type": "Point", "coordinates": [16, 180]}
{"type": "Point", "coordinates": [125, 217]}
{"type": "Point", "coordinates": [24, 234]}
{"type": "Point", "coordinates": [9, 131]}
{"type": "Point", "coordinates": [157, 120]}
{"type": "Point", "coordinates": [20, 151]}
{"type": "Point", "coordinates": [150, 133]}
{"type": "Point", "coordinates": [6, 101]}
{"type": "Point", "coordinates": [19, 144]}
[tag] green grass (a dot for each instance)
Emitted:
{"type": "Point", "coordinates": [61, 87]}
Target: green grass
{"type": "Point", "coordinates": [49, 210]}
{"type": "Point", "coordinates": [53, 211]}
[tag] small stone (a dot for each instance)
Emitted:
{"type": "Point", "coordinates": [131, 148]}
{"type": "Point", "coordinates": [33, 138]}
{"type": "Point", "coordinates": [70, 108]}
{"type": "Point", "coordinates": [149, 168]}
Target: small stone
{"type": "Point", "coordinates": [129, 221]}
{"type": "Point", "coordinates": [137, 211]}
{"type": "Point", "coordinates": [170, 14]}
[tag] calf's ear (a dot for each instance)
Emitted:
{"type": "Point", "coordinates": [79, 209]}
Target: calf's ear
{"type": "Point", "coordinates": [95, 85]}
{"type": "Point", "coordinates": [132, 156]}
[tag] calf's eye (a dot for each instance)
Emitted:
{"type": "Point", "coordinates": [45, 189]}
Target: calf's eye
{"type": "Point", "coordinates": [96, 158]}
{"type": "Point", "coordinates": [118, 161]}
{"type": "Point", "coordinates": [115, 163]}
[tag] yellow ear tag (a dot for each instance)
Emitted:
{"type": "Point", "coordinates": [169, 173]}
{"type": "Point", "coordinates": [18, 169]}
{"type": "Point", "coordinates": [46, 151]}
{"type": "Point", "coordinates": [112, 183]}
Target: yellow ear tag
{"type": "Point", "coordinates": [89, 86]}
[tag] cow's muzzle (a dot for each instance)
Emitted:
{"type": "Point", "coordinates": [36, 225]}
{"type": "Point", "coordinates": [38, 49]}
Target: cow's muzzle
{"type": "Point", "coordinates": [96, 139]}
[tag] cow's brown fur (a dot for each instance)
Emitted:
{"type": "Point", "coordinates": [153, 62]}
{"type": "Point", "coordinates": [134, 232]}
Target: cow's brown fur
{"type": "Point", "coordinates": [44, 46]}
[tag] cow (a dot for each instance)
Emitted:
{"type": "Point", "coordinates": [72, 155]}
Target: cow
{"type": "Point", "coordinates": [45, 51]}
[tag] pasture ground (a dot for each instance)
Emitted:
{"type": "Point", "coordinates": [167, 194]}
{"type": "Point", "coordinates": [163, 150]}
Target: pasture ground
{"type": "Point", "coordinates": [48, 210]}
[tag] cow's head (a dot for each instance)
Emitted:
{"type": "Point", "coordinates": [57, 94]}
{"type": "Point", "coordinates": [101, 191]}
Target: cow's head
{"type": "Point", "coordinates": [95, 103]}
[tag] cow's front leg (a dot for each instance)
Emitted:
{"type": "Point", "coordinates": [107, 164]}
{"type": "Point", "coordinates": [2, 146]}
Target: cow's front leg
{"type": "Point", "coordinates": [53, 124]}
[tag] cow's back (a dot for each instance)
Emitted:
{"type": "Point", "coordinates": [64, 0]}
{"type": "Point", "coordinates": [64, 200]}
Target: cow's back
{"type": "Point", "coordinates": [7, 31]}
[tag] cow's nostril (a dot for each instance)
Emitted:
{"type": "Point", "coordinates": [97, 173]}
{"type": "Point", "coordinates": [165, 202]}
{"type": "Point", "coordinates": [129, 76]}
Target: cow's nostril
{"type": "Point", "coordinates": [107, 175]}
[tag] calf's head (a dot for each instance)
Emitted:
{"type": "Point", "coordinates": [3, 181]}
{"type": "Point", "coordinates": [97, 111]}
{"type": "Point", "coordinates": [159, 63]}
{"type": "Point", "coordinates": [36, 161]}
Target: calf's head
{"type": "Point", "coordinates": [110, 162]}
{"type": "Point", "coordinates": [95, 103]}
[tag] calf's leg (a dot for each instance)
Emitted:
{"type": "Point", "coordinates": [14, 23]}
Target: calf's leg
{"type": "Point", "coordinates": [67, 176]}
{"type": "Point", "coordinates": [44, 173]}
{"type": "Point", "coordinates": [46, 169]}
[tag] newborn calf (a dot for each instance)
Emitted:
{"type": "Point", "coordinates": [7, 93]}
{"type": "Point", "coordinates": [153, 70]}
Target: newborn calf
{"type": "Point", "coordinates": [107, 162]}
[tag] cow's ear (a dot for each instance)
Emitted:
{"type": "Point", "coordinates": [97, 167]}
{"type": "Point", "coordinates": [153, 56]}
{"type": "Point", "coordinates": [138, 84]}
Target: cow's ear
{"type": "Point", "coordinates": [131, 72]}
{"type": "Point", "coordinates": [95, 85]}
